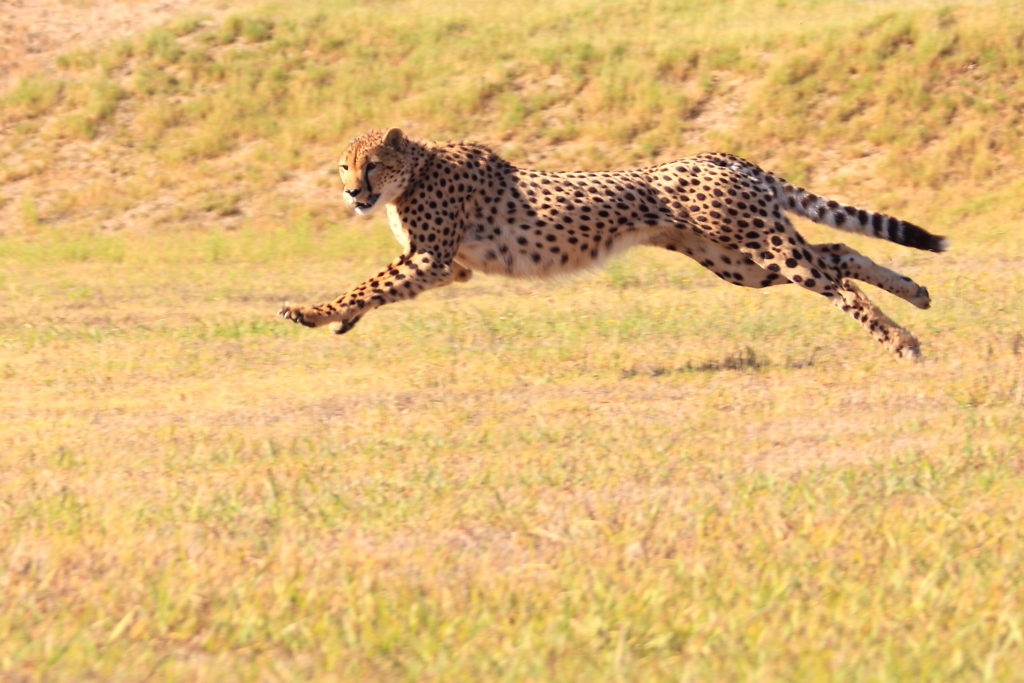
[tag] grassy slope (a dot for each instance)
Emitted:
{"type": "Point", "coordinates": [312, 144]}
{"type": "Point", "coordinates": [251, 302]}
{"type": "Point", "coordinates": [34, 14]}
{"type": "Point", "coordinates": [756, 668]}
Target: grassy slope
{"type": "Point", "coordinates": [213, 116]}
{"type": "Point", "coordinates": [636, 472]}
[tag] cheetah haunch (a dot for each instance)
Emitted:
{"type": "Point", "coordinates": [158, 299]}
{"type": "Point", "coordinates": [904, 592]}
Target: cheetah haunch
{"type": "Point", "coordinates": [457, 207]}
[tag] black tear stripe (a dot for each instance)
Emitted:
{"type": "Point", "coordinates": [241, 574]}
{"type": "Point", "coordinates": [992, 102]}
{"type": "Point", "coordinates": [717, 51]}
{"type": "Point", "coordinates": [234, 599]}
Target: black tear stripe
{"type": "Point", "coordinates": [366, 179]}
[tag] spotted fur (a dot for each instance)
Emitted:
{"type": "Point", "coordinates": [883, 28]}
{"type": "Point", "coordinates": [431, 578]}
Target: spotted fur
{"type": "Point", "coordinates": [458, 207]}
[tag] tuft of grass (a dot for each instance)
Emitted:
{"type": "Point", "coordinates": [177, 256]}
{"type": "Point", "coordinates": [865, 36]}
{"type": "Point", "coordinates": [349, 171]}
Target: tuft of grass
{"type": "Point", "coordinates": [32, 96]}
{"type": "Point", "coordinates": [99, 102]}
{"type": "Point", "coordinates": [256, 29]}
{"type": "Point", "coordinates": [29, 212]}
{"type": "Point", "coordinates": [161, 47]}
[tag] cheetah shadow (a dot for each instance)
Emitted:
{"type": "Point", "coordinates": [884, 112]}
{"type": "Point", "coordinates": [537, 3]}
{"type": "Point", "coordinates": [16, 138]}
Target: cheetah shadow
{"type": "Point", "coordinates": [745, 359]}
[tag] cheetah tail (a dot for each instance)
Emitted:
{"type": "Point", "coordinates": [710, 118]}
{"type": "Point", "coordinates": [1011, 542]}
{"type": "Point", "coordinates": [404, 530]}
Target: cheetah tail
{"type": "Point", "coordinates": [852, 219]}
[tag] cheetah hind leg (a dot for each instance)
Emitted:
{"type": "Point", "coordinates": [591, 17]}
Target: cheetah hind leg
{"type": "Point", "coordinates": [796, 261]}
{"type": "Point", "coordinates": [737, 269]}
{"type": "Point", "coordinates": [896, 339]}
{"type": "Point", "coordinates": [852, 264]}
{"type": "Point", "coordinates": [725, 262]}
{"type": "Point", "coordinates": [806, 266]}
{"type": "Point", "coordinates": [730, 263]}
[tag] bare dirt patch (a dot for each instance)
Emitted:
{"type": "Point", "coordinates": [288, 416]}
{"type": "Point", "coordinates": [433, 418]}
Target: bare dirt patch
{"type": "Point", "coordinates": [33, 33]}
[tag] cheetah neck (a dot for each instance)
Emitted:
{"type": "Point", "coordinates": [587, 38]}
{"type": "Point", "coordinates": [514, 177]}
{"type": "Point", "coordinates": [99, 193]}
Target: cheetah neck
{"type": "Point", "coordinates": [419, 157]}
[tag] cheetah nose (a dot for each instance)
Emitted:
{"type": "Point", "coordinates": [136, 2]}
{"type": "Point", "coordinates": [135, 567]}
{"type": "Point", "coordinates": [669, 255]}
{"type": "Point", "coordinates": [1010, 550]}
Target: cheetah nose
{"type": "Point", "coordinates": [354, 192]}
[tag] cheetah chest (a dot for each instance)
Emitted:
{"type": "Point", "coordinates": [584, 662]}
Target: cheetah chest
{"type": "Point", "coordinates": [397, 228]}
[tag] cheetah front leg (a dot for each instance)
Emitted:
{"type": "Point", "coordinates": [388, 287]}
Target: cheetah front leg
{"type": "Point", "coordinates": [411, 274]}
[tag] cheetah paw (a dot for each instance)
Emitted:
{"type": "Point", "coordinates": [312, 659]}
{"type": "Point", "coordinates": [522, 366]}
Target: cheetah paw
{"type": "Point", "coordinates": [912, 353]}
{"type": "Point", "coordinates": [296, 314]}
{"type": "Point", "coordinates": [921, 298]}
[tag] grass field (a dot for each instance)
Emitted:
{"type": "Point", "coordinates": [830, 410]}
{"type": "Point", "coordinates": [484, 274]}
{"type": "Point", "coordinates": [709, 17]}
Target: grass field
{"type": "Point", "coordinates": [637, 473]}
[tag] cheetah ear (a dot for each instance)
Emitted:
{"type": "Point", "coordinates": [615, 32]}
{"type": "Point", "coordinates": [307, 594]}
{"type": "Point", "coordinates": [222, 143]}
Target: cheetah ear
{"type": "Point", "coordinates": [394, 138]}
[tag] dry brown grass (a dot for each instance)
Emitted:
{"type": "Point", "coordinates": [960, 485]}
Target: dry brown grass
{"type": "Point", "coordinates": [638, 472]}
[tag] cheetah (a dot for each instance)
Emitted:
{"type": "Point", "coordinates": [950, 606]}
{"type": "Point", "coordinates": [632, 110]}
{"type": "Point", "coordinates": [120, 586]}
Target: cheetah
{"type": "Point", "coordinates": [458, 207]}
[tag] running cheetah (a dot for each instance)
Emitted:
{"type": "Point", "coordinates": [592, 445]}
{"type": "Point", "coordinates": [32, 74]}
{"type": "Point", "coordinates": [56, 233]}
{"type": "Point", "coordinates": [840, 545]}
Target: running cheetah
{"type": "Point", "coordinates": [458, 207]}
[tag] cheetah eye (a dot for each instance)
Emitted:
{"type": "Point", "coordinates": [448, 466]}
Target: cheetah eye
{"type": "Point", "coordinates": [370, 165]}
{"type": "Point", "coordinates": [343, 167]}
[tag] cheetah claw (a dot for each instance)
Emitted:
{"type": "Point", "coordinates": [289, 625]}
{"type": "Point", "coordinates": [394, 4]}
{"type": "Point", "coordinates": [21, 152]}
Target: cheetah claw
{"type": "Point", "coordinates": [295, 315]}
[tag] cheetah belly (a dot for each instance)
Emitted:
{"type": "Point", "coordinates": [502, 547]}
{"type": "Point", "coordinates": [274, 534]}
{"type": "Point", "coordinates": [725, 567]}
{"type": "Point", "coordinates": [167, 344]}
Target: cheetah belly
{"type": "Point", "coordinates": [491, 256]}
{"type": "Point", "coordinates": [503, 253]}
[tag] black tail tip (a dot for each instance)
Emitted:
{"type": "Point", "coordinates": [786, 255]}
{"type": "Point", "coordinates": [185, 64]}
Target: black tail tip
{"type": "Point", "coordinates": [919, 238]}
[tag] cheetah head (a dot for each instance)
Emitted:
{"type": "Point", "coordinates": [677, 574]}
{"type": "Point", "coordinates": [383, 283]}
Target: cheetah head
{"type": "Point", "coordinates": [375, 169]}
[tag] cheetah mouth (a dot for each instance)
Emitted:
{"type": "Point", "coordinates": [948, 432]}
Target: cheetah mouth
{"type": "Point", "coordinates": [365, 207]}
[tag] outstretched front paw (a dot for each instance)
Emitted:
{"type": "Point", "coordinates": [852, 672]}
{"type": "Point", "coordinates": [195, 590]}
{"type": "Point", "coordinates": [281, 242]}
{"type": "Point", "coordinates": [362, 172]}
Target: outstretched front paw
{"type": "Point", "coordinates": [300, 315]}
{"type": "Point", "coordinates": [342, 320]}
